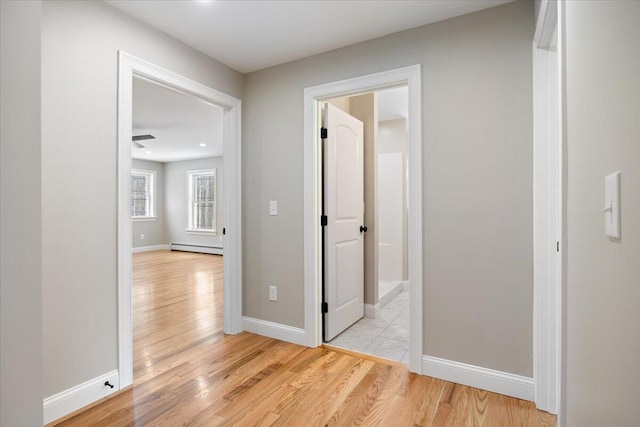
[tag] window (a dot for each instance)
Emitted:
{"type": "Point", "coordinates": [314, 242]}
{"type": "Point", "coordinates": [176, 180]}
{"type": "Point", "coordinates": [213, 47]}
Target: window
{"type": "Point", "coordinates": [202, 201]}
{"type": "Point", "coordinates": [143, 195]}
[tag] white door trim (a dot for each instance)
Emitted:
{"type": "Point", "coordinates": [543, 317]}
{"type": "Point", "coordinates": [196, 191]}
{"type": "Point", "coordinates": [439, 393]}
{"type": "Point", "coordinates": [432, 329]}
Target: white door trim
{"type": "Point", "coordinates": [548, 208]}
{"type": "Point", "coordinates": [128, 67]}
{"type": "Point", "coordinates": [410, 76]}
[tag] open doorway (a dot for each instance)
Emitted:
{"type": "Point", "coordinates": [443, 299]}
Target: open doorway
{"type": "Point", "coordinates": [365, 278]}
{"type": "Point", "coordinates": [177, 223]}
{"type": "Point", "coordinates": [314, 98]}
{"type": "Point", "coordinates": [199, 218]}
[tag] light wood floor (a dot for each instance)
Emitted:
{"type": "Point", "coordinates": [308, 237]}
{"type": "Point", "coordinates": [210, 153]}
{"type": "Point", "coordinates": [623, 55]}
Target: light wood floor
{"type": "Point", "coordinates": [187, 372]}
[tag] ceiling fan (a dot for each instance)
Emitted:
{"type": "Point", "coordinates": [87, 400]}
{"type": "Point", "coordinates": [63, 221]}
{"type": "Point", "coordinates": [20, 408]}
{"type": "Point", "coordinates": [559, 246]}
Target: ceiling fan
{"type": "Point", "coordinates": [136, 138]}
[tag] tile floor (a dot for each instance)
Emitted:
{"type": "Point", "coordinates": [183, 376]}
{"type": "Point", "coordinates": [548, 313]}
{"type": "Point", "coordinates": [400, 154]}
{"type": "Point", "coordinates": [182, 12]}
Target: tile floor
{"type": "Point", "coordinates": [386, 336]}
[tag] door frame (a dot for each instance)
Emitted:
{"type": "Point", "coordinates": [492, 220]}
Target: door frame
{"type": "Point", "coordinates": [313, 97]}
{"type": "Point", "coordinates": [129, 67]}
{"type": "Point", "coordinates": [549, 180]}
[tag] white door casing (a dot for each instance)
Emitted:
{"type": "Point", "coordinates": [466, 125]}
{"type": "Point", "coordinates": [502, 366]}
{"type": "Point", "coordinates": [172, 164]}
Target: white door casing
{"type": "Point", "coordinates": [344, 209]}
{"type": "Point", "coordinates": [128, 67]}
{"type": "Point", "coordinates": [548, 208]}
{"type": "Point", "coordinates": [313, 97]}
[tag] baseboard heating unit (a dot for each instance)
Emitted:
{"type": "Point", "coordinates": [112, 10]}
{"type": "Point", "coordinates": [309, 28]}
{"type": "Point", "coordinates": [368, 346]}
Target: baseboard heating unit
{"type": "Point", "coordinates": [215, 250]}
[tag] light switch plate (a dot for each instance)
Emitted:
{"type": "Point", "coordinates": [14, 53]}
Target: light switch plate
{"type": "Point", "coordinates": [273, 207]}
{"type": "Point", "coordinates": [612, 205]}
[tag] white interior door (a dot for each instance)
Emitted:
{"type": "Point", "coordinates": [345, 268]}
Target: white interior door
{"type": "Point", "coordinates": [344, 208]}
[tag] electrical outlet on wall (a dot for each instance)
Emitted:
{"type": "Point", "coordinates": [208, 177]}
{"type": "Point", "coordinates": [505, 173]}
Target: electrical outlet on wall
{"type": "Point", "coordinates": [273, 293]}
{"type": "Point", "coordinates": [142, 237]}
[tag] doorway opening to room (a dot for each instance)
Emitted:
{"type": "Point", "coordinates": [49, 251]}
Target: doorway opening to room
{"type": "Point", "coordinates": [179, 279]}
{"type": "Point", "coordinates": [177, 223]}
{"type": "Point", "coordinates": [365, 275]}
{"type": "Point", "coordinates": [363, 215]}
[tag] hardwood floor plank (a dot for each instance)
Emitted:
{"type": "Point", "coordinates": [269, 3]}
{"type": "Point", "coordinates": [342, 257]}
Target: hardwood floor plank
{"type": "Point", "coordinates": [361, 397]}
{"type": "Point", "coordinates": [188, 373]}
{"type": "Point", "coordinates": [415, 397]}
{"type": "Point", "coordinates": [376, 409]}
{"type": "Point", "coordinates": [478, 407]}
{"type": "Point", "coordinates": [262, 387]}
{"type": "Point", "coordinates": [308, 400]}
{"type": "Point", "coordinates": [334, 397]}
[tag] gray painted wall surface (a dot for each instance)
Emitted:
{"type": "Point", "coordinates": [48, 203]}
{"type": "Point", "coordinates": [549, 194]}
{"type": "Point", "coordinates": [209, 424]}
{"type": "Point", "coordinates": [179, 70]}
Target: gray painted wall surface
{"type": "Point", "coordinates": [154, 231]}
{"type": "Point", "coordinates": [20, 215]}
{"type": "Point", "coordinates": [477, 145]}
{"type": "Point", "coordinates": [177, 201]}
{"type": "Point", "coordinates": [536, 8]}
{"type": "Point", "coordinates": [80, 43]}
{"type": "Point", "coordinates": [365, 109]}
{"type": "Point", "coordinates": [603, 277]}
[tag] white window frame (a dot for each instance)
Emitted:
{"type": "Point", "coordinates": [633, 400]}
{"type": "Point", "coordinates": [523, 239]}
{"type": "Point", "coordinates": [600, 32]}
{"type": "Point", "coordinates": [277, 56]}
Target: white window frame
{"type": "Point", "coordinates": [151, 182]}
{"type": "Point", "coordinates": [191, 229]}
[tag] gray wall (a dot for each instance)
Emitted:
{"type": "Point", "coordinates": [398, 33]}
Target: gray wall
{"type": "Point", "coordinates": [477, 139]}
{"type": "Point", "coordinates": [177, 201]}
{"type": "Point", "coordinates": [80, 43]}
{"type": "Point", "coordinates": [20, 215]}
{"type": "Point", "coordinates": [536, 7]}
{"type": "Point", "coordinates": [154, 231]}
{"type": "Point", "coordinates": [603, 277]}
{"type": "Point", "coordinates": [365, 109]}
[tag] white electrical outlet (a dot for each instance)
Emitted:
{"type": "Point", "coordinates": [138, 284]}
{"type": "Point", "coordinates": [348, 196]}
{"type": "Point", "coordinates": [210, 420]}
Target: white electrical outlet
{"type": "Point", "coordinates": [273, 207]}
{"type": "Point", "coordinates": [273, 293]}
{"type": "Point", "coordinates": [142, 237]}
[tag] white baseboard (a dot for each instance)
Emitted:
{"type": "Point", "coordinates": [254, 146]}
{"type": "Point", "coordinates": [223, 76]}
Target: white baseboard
{"type": "Point", "coordinates": [214, 250]}
{"type": "Point", "coordinates": [274, 330]}
{"type": "Point", "coordinates": [475, 376]}
{"type": "Point", "coordinates": [384, 299]}
{"type": "Point", "coordinates": [76, 397]}
{"type": "Point", "coordinates": [150, 248]}
{"type": "Point", "coordinates": [372, 311]}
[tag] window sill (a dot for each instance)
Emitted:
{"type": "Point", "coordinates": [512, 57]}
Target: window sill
{"type": "Point", "coordinates": [202, 232]}
{"type": "Point", "coordinates": [143, 218]}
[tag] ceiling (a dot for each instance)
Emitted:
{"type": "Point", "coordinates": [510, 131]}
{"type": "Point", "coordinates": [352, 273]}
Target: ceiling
{"type": "Point", "coordinates": [251, 35]}
{"type": "Point", "coordinates": [179, 122]}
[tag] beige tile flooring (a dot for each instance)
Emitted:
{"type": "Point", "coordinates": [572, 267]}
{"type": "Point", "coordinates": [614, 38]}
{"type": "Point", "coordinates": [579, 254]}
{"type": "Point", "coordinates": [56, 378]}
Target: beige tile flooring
{"type": "Point", "coordinates": [386, 336]}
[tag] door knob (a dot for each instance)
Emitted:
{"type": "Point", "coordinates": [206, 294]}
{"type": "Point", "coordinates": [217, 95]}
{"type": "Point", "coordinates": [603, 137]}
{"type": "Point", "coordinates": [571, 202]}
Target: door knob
{"type": "Point", "coordinates": [363, 228]}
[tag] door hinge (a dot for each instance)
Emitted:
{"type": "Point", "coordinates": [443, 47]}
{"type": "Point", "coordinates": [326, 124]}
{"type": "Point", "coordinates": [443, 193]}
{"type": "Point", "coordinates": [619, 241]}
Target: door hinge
{"type": "Point", "coordinates": [557, 246]}
{"type": "Point", "coordinates": [224, 231]}
{"type": "Point", "coordinates": [323, 220]}
{"type": "Point", "coordinates": [324, 307]}
{"type": "Point", "coordinates": [323, 133]}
